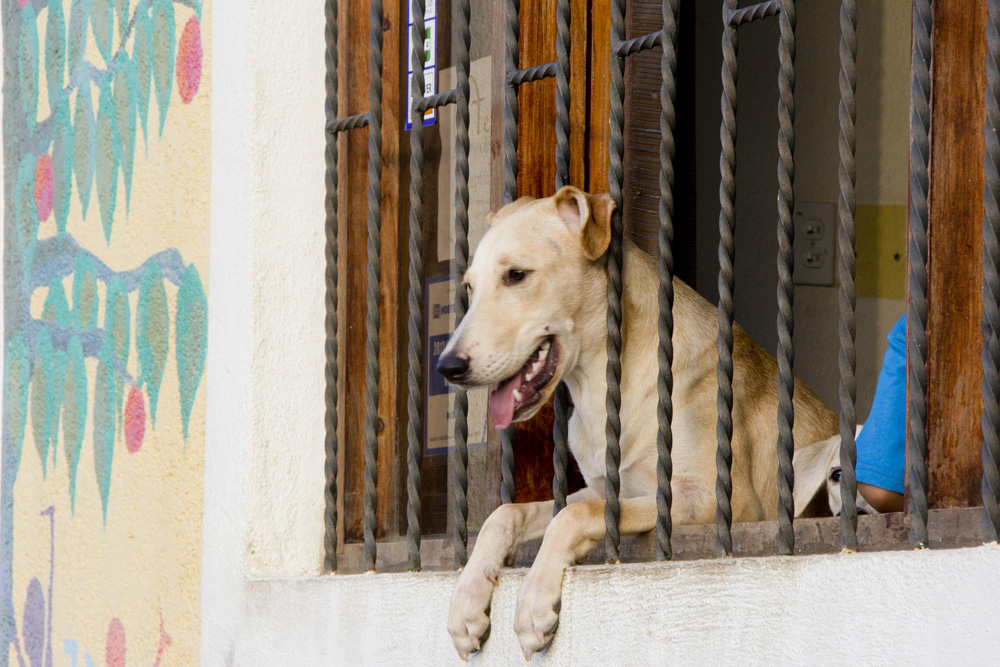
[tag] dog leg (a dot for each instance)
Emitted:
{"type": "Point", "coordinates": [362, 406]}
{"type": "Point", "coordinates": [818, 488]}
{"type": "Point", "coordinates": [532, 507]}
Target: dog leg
{"type": "Point", "coordinates": [503, 532]}
{"type": "Point", "coordinates": [569, 538]}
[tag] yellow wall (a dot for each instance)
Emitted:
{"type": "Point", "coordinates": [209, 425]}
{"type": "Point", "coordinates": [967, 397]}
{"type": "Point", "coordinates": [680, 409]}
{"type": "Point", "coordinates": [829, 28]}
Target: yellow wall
{"type": "Point", "coordinates": [134, 568]}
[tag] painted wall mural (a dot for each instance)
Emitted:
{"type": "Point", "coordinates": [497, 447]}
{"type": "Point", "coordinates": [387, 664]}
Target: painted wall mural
{"type": "Point", "coordinates": [106, 220]}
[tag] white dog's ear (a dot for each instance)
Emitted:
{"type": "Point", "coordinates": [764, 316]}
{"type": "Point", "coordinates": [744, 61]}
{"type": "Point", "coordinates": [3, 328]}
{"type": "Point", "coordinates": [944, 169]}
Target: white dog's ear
{"type": "Point", "coordinates": [589, 216]}
{"type": "Point", "coordinates": [811, 464]}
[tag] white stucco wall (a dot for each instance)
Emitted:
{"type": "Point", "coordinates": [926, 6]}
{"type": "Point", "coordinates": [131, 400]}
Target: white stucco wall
{"type": "Point", "coordinates": [262, 603]}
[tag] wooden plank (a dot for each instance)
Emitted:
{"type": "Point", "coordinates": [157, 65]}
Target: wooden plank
{"type": "Point", "coordinates": [954, 372]}
{"type": "Point", "coordinates": [355, 228]}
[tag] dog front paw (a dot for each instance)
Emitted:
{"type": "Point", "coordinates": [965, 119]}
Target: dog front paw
{"type": "Point", "coordinates": [469, 615]}
{"type": "Point", "coordinates": [537, 615]}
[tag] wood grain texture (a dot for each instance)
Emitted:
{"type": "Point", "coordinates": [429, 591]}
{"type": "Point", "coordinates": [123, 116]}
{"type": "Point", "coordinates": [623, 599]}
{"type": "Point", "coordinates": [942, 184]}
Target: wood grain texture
{"type": "Point", "coordinates": [954, 372]}
{"type": "Point", "coordinates": [354, 226]}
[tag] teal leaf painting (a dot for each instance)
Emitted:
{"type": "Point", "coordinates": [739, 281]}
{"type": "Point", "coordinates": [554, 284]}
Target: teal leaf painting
{"type": "Point", "coordinates": [104, 26]}
{"type": "Point", "coordinates": [108, 157]}
{"type": "Point", "coordinates": [15, 402]}
{"type": "Point", "coordinates": [104, 421]}
{"type": "Point", "coordinates": [85, 293]}
{"type": "Point", "coordinates": [27, 214]}
{"type": "Point", "coordinates": [142, 54]}
{"type": "Point", "coordinates": [117, 324]}
{"type": "Point", "coordinates": [79, 17]}
{"type": "Point", "coordinates": [121, 11]}
{"type": "Point", "coordinates": [56, 308]}
{"type": "Point", "coordinates": [56, 311]}
{"type": "Point", "coordinates": [192, 339]}
{"type": "Point", "coordinates": [164, 44]}
{"type": "Point", "coordinates": [125, 94]}
{"type": "Point", "coordinates": [152, 333]}
{"type": "Point", "coordinates": [62, 167]}
{"type": "Point", "coordinates": [84, 145]}
{"type": "Point", "coordinates": [43, 395]}
{"type": "Point", "coordinates": [27, 61]}
{"type": "Point", "coordinates": [74, 407]}
{"type": "Point", "coordinates": [55, 50]}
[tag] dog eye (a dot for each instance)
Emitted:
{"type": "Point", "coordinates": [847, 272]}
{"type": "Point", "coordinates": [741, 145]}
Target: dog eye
{"type": "Point", "coordinates": [835, 475]}
{"type": "Point", "coordinates": [514, 276]}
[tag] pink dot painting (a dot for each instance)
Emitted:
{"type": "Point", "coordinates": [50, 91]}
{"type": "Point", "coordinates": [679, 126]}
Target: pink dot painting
{"type": "Point", "coordinates": [135, 420]}
{"type": "Point", "coordinates": [22, 3]}
{"type": "Point", "coordinates": [43, 186]}
{"type": "Point", "coordinates": [114, 654]}
{"type": "Point", "coordinates": [189, 60]}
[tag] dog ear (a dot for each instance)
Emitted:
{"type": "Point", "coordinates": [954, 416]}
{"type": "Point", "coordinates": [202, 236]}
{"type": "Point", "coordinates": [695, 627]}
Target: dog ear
{"type": "Point", "coordinates": [811, 464]}
{"type": "Point", "coordinates": [587, 215]}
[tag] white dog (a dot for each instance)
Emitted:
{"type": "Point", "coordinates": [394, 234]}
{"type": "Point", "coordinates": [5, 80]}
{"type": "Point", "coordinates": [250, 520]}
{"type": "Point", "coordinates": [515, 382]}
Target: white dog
{"type": "Point", "coordinates": [823, 458]}
{"type": "Point", "coordinates": [537, 315]}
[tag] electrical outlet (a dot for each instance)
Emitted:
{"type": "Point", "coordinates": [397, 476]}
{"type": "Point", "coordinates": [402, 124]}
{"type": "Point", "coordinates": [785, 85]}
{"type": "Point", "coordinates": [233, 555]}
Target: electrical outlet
{"type": "Point", "coordinates": [815, 243]}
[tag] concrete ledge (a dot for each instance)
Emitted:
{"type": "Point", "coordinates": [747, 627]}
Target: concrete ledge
{"type": "Point", "coordinates": [877, 608]}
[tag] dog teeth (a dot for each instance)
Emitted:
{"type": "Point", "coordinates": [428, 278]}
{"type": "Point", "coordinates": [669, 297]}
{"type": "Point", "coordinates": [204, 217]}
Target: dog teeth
{"type": "Point", "coordinates": [517, 395]}
{"type": "Point", "coordinates": [530, 374]}
{"type": "Point", "coordinates": [544, 353]}
{"type": "Point", "coordinates": [545, 345]}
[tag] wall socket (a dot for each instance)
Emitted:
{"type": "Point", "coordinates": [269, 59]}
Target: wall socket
{"type": "Point", "coordinates": [815, 243]}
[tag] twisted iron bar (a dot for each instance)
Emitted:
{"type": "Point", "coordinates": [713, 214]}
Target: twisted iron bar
{"type": "Point", "coordinates": [437, 101]}
{"type": "Point", "coordinates": [331, 297]}
{"type": "Point", "coordinates": [460, 453]}
{"type": "Point", "coordinates": [727, 249]}
{"type": "Point", "coordinates": [372, 320]}
{"type": "Point", "coordinates": [639, 44]}
{"type": "Point", "coordinates": [738, 17]}
{"type": "Point", "coordinates": [665, 350]}
{"type": "Point", "coordinates": [528, 74]}
{"type": "Point", "coordinates": [916, 319]}
{"type": "Point", "coordinates": [338, 125]}
{"type": "Point", "coordinates": [415, 296]}
{"type": "Point", "coordinates": [510, 115]}
{"type": "Point", "coordinates": [616, 149]}
{"type": "Point", "coordinates": [512, 30]}
{"type": "Point", "coordinates": [847, 176]}
{"type": "Point", "coordinates": [991, 282]}
{"type": "Point", "coordinates": [560, 454]}
{"type": "Point", "coordinates": [786, 289]}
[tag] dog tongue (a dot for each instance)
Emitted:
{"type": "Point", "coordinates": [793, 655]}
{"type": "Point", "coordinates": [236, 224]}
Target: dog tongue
{"type": "Point", "coordinates": [502, 402]}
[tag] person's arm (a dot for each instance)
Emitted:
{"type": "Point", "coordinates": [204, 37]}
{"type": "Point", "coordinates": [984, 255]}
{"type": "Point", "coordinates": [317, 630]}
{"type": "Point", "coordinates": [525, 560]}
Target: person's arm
{"type": "Point", "coordinates": [882, 500]}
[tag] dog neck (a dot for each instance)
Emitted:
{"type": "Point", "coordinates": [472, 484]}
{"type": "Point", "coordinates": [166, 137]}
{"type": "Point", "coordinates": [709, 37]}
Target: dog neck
{"type": "Point", "coordinates": [587, 381]}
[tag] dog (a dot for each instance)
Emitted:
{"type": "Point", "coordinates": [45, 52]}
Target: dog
{"type": "Point", "coordinates": [823, 458]}
{"type": "Point", "coordinates": [537, 316]}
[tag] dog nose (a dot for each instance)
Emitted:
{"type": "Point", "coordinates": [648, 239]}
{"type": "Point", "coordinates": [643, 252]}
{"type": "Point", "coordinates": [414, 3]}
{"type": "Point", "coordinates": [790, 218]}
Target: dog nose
{"type": "Point", "coordinates": [453, 366]}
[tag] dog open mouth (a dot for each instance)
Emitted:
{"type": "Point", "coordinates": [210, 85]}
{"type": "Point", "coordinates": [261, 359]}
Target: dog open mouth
{"type": "Point", "coordinates": [522, 390]}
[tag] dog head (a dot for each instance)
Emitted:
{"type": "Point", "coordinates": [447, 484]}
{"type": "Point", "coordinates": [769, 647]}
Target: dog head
{"type": "Point", "coordinates": [818, 466]}
{"type": "Point", "coordinates": [531, 277]}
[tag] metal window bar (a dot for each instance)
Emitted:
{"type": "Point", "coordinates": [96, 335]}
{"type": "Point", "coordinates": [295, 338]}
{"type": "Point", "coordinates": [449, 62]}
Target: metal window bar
{"type": "Point", "coordinates": [991, 281]}
{"type": "Point", "coordinates": [331, 297]}
{"type": "Point", "coordinates": [847, 176]}
{"type": "Point", "coordinates": [916, 318]}
{"type": "Point", "coordinates": [415, 296]}
{"type": "Point", "coordinates": [560, 434]}
{"type": "Point", "coordinates": [732, 18]}
{"type": "Point", "coordinates": [665, 349]}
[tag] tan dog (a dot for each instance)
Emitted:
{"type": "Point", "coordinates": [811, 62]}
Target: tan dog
{"type": "Point", "coordinates": [538, 304]}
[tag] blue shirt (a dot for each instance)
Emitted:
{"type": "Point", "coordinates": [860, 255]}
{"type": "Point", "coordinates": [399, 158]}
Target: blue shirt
{"type": "Point", "coordinates": [880, 445]}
